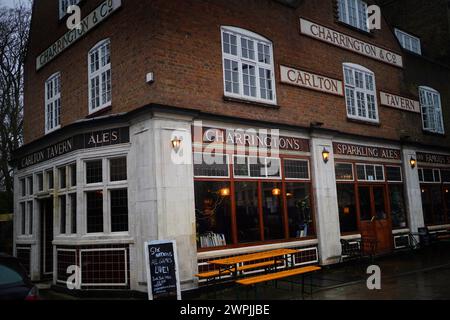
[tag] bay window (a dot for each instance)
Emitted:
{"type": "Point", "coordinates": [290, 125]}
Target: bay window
{"type": "Point", "coordinates": [248, 66]}
{"type": "Point", "coordinates": [360, 93]}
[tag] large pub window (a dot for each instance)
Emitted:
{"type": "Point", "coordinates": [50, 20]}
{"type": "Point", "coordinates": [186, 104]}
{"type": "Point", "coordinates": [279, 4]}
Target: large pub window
{"type": "Point", "coordinates": [435, 188]}
{"type": "Point", "coordinates": [247, 199]}
{"type": "Point", "coordinates": [248, 66]}
{"type": "Point", "coordinates": [354, 202]}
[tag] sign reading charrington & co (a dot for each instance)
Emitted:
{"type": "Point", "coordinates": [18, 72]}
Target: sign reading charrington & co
{"type": "Point", "coordinates": [311, 81]}
{"type": "Point", "coordinates": [347, 149]}
{"type": "Point", "coordinates": [433, 158]}
{"type": "Point", "coordinates": [97, 16]}
{"type": "Point", "coordinates": [405, 104]}
{"type": "Point", "coordinates": [253, 139]}
{"type": "Point", "coordinates": [341, 40]}
{"type": "Point", "coordinates": [82, 141]}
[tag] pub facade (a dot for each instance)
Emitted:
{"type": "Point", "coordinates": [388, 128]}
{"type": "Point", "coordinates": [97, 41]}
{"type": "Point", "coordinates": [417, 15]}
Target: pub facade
{"type": "Point", "coordinates": [229, 134]}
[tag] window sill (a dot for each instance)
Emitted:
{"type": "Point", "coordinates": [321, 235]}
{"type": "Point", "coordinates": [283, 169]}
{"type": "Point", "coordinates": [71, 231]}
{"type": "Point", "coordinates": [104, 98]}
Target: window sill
{"type": "Point", "coordinates": [251, 102]}
{"type": "Point", "coordinates": [99, 111]}
{"type": "Point", "coordinates": [366, 122]}
{"type": "Point", "coordinates": [349, 26]}
{"type": "Point", "coordinates": [431, 133]}
{"type": "Point", "coordinates": [52, 130]}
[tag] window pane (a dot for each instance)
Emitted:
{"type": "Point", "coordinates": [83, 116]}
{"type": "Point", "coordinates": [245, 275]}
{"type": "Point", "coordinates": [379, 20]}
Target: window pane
{"type": "Point", "coordinates": [241, 167]}
{"type": "Point", "coordinates": [348, 219]}
{"type": "Point", "coordinates": [299, 210]}
{"type": "Point", "coordinates": [62, 213]}
{"type": "Point", "coordinates": [445, 175]}
{"type": "Point", "coordinates": [118, 169]}
{"type": "Point", "coordinates": [272, 211]}
{"type": "Point", "coordinates": [344, 171]}
{"type": "Point", "coordinates": [73, 212]}
{"type": "Point", "coordinates": [50, 181]}
{"type": "Point", "coordinates": [361, 172]}
{"type": "Point", "coordinates": [23, 217]}
{"type": "Point", "coordinates": [119, 210]}
{"type": "Point", "coordinates": [296, 169]}
{"type": "Point", "coordinates": [62, 177]}
{"type": "Point", "coordinates": [398, 210]}
{"type": "Point", "coordinates": [249, 77]}
{"type": "Point", "coordinates": [257, 167]}
{"type": "Point", "coordinates": [94, 211]}
{"type": "Point", "coordinates": [273, 167]}
{"type": "Point", "coordinates": [394, 174]}
{"type": "Point", "coordinates": [213, 214]}
{"type": "Point", "coordinates": [247, 216]}
{"type": "Point", "coordinates": [210, 165]}
{"type": "Point", "coordinates": [30, 185]}
{"type": "Point", "coordinates": [94, 171]}
{"type": "Point", "coordinates": [428, 175]}
{"type": "Point", "coordinates": [30, 214]}
{"type": "Point", "coordinates": [73, 175]}
{"type": "Point", "coordinates": [40, 179]}
{"type": "Point", "coordinates": [23, 187]}
{"type": "Point", "coordinates": [365, 204]}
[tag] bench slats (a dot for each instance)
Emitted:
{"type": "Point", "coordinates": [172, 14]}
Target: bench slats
{"type": "Point", "coordinates": [277, 275]}
{"type": "Point", "coordinates": [215, 273]}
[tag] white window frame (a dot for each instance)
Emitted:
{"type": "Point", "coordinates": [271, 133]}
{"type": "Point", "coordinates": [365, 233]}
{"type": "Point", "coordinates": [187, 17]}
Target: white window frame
{"type": "Point", "coordinates": [433, 172]}
{"type": "Point", "coordinates": [64, 5]}
{"type": "Point", "coordinates": [227, 157]}
{"type": "Point", "coordinates": [240, 60]}
{"type": "Point", "coordinates": [344, 14]}
{"type": "Point", "coordinates": [401, 174]}
{"type": "Point", "coordinates": [406, 41]}
{"type": "Point", "coordinates": [105, 186]}
{"type": "Point", "coordinates": [365, 172]}
{"type": "Point", "coordinates": [53, 102]}
{"type": "Point", "coordinates": [433, 111]}
{"type": "Point", "coordinates": [97, 74]}
{"type": "Point", "coordinates": [296, 179]}
{"type": "Point", "coordinates": [266, 177]}
{"type": "Point", "coordinates": [351, 88]}
{"type": "Point", "coordinates": [353, 172]}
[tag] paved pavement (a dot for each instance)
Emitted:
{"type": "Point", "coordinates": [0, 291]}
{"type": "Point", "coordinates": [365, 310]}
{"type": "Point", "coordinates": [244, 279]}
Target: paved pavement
{"type": "Point", "coordinates": [422, 274]}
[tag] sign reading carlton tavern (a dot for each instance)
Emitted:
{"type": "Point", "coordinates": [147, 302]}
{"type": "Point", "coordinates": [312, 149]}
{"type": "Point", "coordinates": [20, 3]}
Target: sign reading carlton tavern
{"type": "Point", "coordinates": [341, 40]}
{"type": "Point", "coordinates": [347, 149]}
{"type": "Point", "coordinates": [253, 138]}
{"type": "Point", "coordinates": [311, 81]}
{"type": "Point", "coordinates": [393, 101]}
{"type": "Point", "coordinates": [97, 16]}
{"type": "Point", "coordinates": [433, 158]}
{"type": "Point", "coordinates": [163, 280]}
{"type": "Point", "coordinates": [82, 141]}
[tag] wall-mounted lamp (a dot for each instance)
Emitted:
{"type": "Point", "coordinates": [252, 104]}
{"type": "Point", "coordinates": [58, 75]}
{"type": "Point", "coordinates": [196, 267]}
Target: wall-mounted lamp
{"type": "Point", "coordinates": [276, 192]}
{"type": "Point", "coordinates": [176, 143]}
{"type": "Point", "coordinates": [413, 162]}
{"type": "Point", "coordinates": [224, 192]}
{"type": "Point", "coordinates": [325, 155]}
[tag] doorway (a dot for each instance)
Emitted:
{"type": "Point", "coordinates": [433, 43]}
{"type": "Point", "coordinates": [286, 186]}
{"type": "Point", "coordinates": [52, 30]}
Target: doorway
{"type": "Point", "coordinates": [374, 218]}
{"type": "Point", "coordinates": [46, 224]}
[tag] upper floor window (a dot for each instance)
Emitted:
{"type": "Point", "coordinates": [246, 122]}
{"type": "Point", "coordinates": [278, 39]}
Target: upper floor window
{"type": "Point", "coordinates": [360, 93]}
{"type": "Point", "coordinates": [354, 13]}
{"type": "Point", "coordinates": [64, 4]}
{"type": "Point", "coordinates": [430, 101]}
{"type": "Point", "coordinates": [248, 66]}
{"type": "Point", "coordinates": [408, 42]}
{"type": "Point", "coordinates": [53, 103]}
{"type": "Point", "coordinates": [100, 76]}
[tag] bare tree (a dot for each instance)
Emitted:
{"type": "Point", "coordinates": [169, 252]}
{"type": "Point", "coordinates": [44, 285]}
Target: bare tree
{"type": "Point", "coordinates": [14, 30]}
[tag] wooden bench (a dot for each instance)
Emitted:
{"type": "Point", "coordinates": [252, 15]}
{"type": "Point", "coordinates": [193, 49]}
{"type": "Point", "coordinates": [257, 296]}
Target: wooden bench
{"type": "Point", "coordinates": [211, 275]}
{"type": "Point", "coordinates": [281, 275]}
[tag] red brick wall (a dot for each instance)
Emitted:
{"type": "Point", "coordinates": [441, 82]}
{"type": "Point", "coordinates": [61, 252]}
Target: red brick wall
{"type": "Point", "coordinates": [179, 40]}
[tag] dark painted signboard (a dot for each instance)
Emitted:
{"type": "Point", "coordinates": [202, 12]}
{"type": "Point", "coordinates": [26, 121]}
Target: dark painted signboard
{"type": "Point", "coordinates": [162, 270]}
{"type": "Point", "coordinates": [82, 141]}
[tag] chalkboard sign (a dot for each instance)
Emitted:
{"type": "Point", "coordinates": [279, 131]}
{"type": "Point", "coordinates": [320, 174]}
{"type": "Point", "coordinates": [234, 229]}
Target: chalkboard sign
{"type": "Point", "coordinates": [162, 270]}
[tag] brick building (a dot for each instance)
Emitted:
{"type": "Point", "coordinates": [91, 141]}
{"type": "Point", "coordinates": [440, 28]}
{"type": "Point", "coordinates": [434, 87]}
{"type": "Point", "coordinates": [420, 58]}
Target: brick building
{"type": "Point", "coordinates": [228, 126]}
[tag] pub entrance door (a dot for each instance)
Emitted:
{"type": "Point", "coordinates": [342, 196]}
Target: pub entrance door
{"type": "Point", "coordinates": [375, 221]}
{"type": "Point", "coordinates": [46, 225]}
